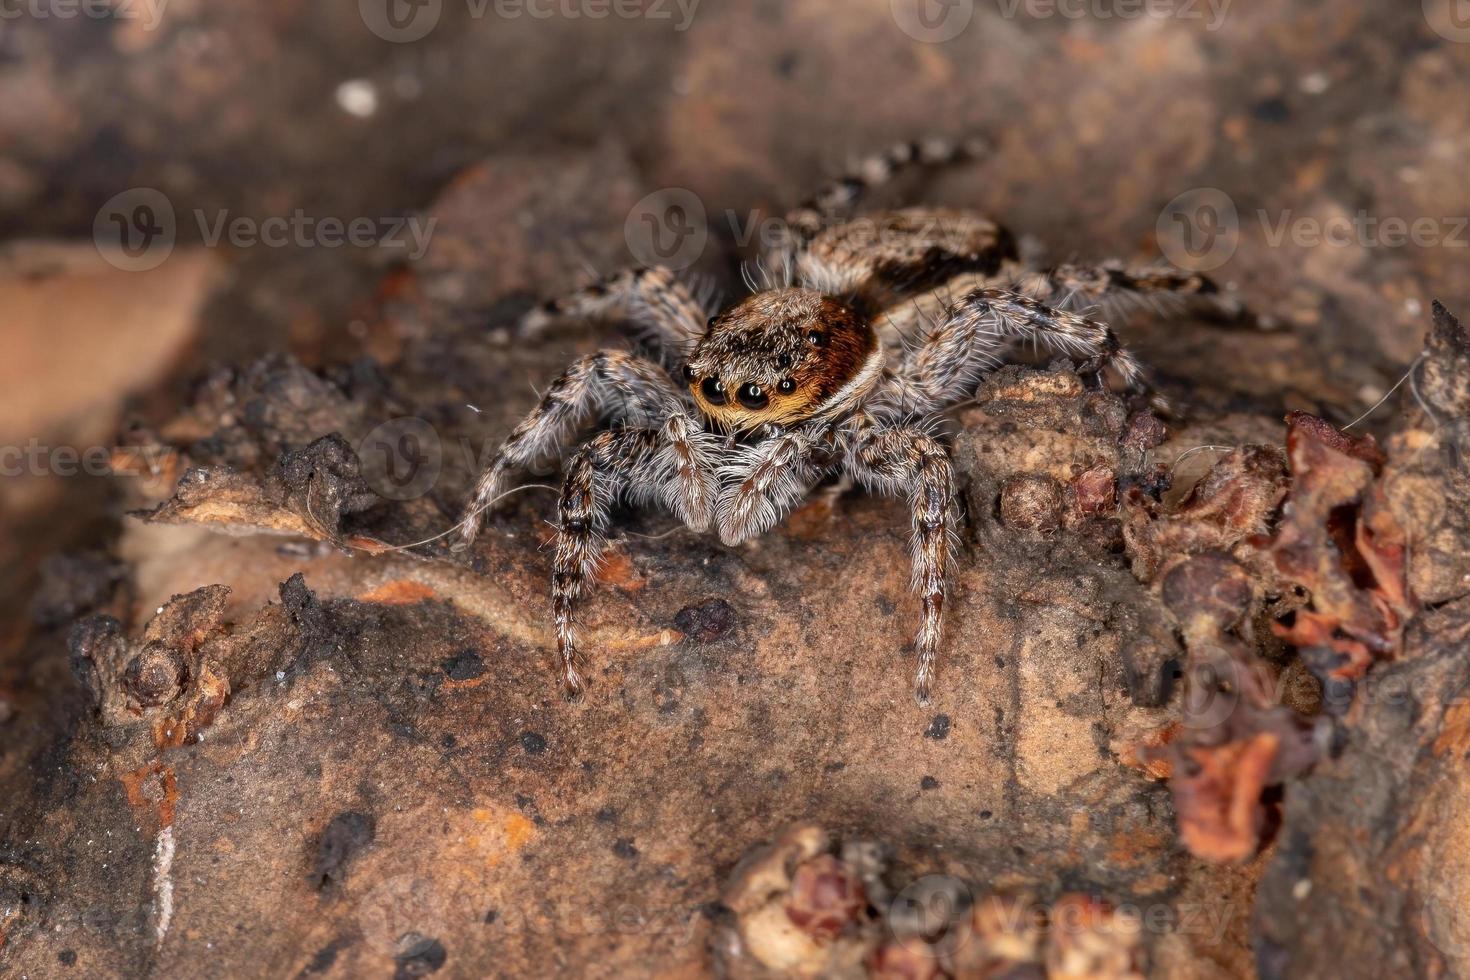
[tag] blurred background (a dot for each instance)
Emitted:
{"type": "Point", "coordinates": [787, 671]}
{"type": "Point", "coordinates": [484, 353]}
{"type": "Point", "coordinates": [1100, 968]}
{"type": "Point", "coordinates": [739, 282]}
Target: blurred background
{"type": "Point", "coordinates": [185, 184]}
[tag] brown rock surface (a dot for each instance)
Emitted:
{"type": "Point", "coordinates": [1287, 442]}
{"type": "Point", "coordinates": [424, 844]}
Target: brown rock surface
{"type": "Point", "coordinates": [353, 761]}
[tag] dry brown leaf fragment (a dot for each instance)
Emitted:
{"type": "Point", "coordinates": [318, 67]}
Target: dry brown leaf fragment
{"type": "Point", "coordinates": [1339, 541]}
{"type": "Point", "coordinates": [1237, 500]}
{"type": "Point", "coordinates": [826, 897]}
{"type": "Point", "coordinates": [1089, 939]}
{"type": "Point", "coordinates": [1218, 801]}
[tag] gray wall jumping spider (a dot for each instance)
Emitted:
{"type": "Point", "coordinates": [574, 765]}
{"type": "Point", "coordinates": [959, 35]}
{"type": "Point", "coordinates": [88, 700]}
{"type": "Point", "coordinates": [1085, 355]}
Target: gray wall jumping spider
{"type": "Point", "coordinates": [749, 409]}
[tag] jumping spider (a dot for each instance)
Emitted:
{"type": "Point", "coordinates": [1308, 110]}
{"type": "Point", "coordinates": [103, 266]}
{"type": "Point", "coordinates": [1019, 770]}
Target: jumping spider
{"type": "Point", "coordinates": [795, 382]}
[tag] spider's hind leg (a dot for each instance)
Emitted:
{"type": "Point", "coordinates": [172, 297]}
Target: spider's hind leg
{"type": "Point", "coordinates": [660, 308]}
{"type": "Point", "coordinates": [836, 199]}
{"type": "Point", "coordinates": [1117, 291]}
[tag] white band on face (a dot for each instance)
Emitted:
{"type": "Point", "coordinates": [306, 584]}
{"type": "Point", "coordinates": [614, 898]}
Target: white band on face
{"type": "Point", "coordinates": [849, 394]}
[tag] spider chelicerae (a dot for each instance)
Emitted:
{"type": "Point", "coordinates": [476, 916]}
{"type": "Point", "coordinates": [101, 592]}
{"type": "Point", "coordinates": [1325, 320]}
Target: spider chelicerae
{"type": "Point", "coordinates": [876, 327]}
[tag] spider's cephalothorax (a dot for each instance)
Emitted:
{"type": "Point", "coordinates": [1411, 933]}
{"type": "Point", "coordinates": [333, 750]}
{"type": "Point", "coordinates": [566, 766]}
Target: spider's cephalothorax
{"type": "Point", "coordinates": [782, 357]}
{"type": "Point", "coordinates": [743, 413]}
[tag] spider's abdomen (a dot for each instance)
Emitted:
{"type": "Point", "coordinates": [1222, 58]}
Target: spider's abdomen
{"type": "Point", "coordinates": [900, 252]}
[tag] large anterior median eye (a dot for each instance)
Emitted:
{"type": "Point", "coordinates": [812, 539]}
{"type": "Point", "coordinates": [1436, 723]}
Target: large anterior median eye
{"type": "Point", "coordinates": [751, 396]}
{"type": "Point", "coordinates": [713, 390]}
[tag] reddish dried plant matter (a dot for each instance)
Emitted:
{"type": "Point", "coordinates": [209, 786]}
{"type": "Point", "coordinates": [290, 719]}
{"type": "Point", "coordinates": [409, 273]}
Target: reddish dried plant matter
{"type": "Point", "coordinates": [1340, 541]}
{"type": "Point", "coordinates": [826, 897]}
{"type": "Point", "coordinates": [1218, 796]}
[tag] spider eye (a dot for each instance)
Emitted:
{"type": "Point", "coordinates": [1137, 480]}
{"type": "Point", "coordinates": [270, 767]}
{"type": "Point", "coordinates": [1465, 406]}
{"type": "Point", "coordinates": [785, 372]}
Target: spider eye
{"type": "Point", "coordinates": [784, 361]}
{"type": "Point", "coordinates": [710, 323]}
{"type": "Point", "coordinates": [787, 386]}
{"type": "Point", "coordinates": [713, 390]}
{"type": "Point", "coordinates": [817, 339]}
{"type": "Point", "coordinates": [688, 374]}
{"type": "Point", "coordinates": [752, 397]}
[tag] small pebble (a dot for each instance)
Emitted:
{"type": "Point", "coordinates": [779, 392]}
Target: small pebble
{"type": "Point", "coordinates": [358, 97]}
{"type": "Point", "coordinates": [1316, 83]}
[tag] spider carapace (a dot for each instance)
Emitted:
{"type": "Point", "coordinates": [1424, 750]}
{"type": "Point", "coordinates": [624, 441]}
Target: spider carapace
{"type": "Point", "coordinates": [781, 357]}
{"type": "Point", "coordinates": [845, 366]}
